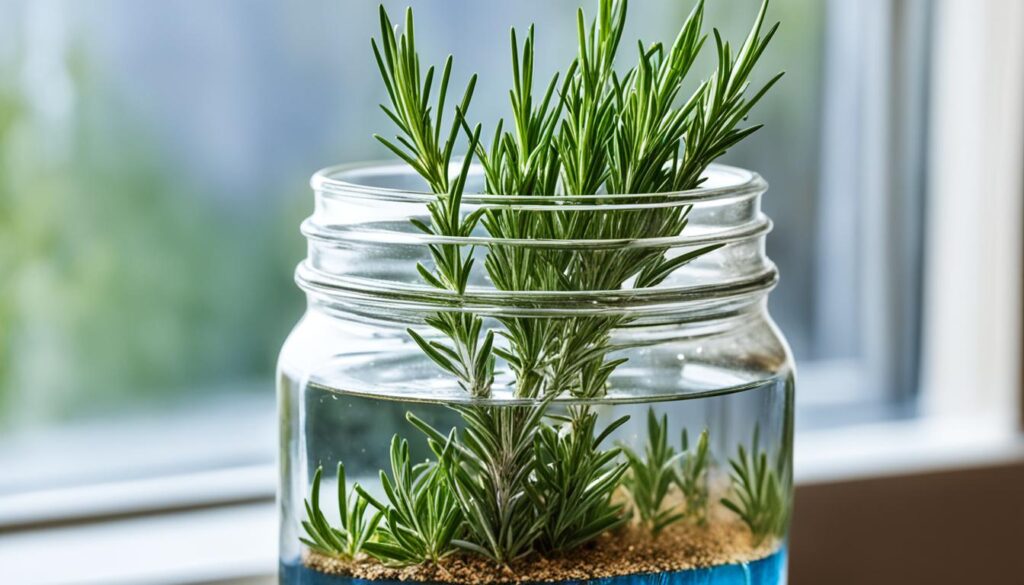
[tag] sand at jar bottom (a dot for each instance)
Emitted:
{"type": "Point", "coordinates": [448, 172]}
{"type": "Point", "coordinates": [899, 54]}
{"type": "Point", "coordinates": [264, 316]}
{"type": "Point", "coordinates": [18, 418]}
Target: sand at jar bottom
{"type": "Point", "coordinates": [719, 554]}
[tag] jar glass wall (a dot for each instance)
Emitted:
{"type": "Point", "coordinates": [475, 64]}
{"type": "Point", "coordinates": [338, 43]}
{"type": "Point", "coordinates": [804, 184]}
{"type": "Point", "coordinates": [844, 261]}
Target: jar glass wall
{"type": "Point", "coordinates": [697, 389]}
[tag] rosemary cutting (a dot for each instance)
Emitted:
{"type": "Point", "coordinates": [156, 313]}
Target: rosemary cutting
{"type": "Point", "coordinates": [758, 492]}
{"type": "Point", "coordinates": [348, 540]}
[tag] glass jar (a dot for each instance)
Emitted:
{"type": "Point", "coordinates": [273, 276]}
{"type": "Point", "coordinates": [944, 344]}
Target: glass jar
{"type": "Point", "coordinates": [697, 393]}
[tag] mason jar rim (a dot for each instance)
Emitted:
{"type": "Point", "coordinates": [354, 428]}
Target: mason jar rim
{"type": "Point", "coordinates": [723, 182]}
{"type": "Point", "coordinates": [336, 229]}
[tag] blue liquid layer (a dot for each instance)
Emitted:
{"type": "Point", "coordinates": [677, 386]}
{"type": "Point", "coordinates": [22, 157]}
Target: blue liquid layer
{"type": "Point", "coordinates": [770, 570]}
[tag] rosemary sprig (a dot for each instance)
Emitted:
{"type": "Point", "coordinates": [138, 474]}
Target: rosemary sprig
{"type": "Point", "coordinates": [420, 139]}
{"type": "Point", "coordinates": [576, 479]}
{"type": "Point", "coordinates": [650, 127]}
{"type": "Point", "coordinates": [420, 145]}
{"type": "Point", "coordinates": [589, 105]}
{"type": "Point", "coordinates": [758, 493]}
{"type": "Point", "coordinates": [493, 461]}
{"type": "Point", "coordinates": [467, 358]}
{"type": "Point", "coordinates": [523, 161]}
{"type": "Point", "coordinates": [691, 477]}
{"type": "Point", "coordinates": [421, 516]}
{"type": "Point", "coordinates": [651, 475]}
{"type": "Point", "coordinates": [352, 536]}
{"type": "Point", "coordinates": [722, 104]}
{"type": "Point", "coordinates": [623, 135]}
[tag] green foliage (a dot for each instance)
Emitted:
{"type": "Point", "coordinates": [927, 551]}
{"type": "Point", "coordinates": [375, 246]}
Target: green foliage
{"type": "Point", "coordinates": [650, 127]}
{"type": "Point", "coordinates": [467, 358]}
{"type": "Point", "coordinates": [651, 475]}
{"type": "Point", "coordinates": [575, 480]}
{"type": "Point", "coordinates": [420, 145]}
{"type": "Point", "coordinates": [421, 516]}
{"type": "Point", "coordinates": [758, 493]}
{"type": "Point", "coordinates": [722, 104]}
{"type": "Point", "coordinates": [623, 136]}
{"type": "Point", "coordinates": [524, 162]}
{"type": "Point", "coordinates": [691, 477]}
{"type": "Point", "coordinates": [510, 482]}
{"type": "Point", "coordinates": [492, 463]}
{"type": "Point", "coordinates": [601, 132]}
{"type": "Point", "coordinates": [352, 535]}
{"type": "Point", "coordinates": [420, 142]}
{"type": "Point", "coordinates": [590, 115]}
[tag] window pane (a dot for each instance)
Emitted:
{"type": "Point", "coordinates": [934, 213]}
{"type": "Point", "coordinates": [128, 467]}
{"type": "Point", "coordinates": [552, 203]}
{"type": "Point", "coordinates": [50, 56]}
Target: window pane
{"type": "Point", "coordinates": [153, 168]}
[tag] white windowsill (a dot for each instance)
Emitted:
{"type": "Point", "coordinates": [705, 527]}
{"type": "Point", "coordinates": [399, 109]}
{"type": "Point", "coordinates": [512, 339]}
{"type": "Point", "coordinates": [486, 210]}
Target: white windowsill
{"type": "Point", "coordinates": [903, 447]}
{"type": "Point", "coordinates": [234, 542]}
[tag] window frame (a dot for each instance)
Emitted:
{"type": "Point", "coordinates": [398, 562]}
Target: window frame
{"type": "Point", "coordinates": [971, 347]}
{"type": "Point", "coordinates": [972, 350]}
{"type": "Point", "coordinates": [872, 192]}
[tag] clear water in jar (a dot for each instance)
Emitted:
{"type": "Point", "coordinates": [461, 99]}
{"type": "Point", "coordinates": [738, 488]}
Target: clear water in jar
{"type": "Point", "coordinates": [324, 426]}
